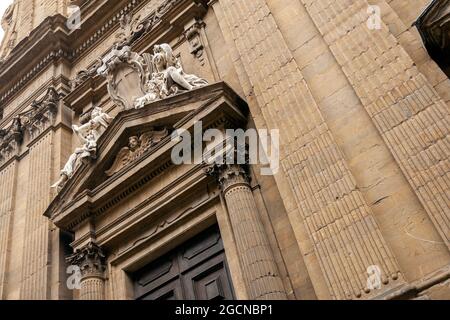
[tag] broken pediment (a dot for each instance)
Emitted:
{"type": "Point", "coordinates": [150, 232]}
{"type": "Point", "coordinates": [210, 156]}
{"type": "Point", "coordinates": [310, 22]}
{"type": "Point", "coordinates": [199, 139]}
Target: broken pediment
{"type": "Point", "coordinates": [136, 147]}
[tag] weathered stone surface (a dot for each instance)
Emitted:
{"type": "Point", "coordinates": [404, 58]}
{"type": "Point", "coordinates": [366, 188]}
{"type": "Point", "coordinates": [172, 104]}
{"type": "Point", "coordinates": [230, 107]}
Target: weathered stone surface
{"type": "Point", "coordinates": [363, 185]}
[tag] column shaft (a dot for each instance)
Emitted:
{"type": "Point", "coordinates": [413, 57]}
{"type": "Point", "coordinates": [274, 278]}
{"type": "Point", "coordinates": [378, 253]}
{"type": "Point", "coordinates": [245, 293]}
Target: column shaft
{"type": "Point", "coordinates": [260, 270]}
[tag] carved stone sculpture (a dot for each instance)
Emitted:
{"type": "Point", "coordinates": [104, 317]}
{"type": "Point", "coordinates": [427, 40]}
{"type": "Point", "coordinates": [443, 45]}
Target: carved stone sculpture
{"type": "Point", "coordinates": [10, 139]}
{"type": "Point", "coordinates": [8, 24]}
{"type": "Point", "coordinates": [96, 126]}
{"type": "Point", "coordinates": [88, 135]}
{"type": "Point", "coordinates": [127, 74]}
{"type": "Point", "coordinates": [170, 67]}
{"type": "Point", "coordinates": [41, 114]}
{"type": "Point", "coordinates": [135, 80]}
{"type": "Point", "coordinates": [137, 146]}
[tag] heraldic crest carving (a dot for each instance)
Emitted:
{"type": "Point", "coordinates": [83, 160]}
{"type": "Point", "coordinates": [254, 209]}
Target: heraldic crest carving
{"type": "Point", "coordinates": [135, 80]}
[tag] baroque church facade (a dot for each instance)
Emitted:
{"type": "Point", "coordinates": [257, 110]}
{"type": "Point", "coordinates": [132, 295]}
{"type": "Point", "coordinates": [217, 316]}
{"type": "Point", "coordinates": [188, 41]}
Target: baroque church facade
{"type": "Point", "coordinates": [93, 205]}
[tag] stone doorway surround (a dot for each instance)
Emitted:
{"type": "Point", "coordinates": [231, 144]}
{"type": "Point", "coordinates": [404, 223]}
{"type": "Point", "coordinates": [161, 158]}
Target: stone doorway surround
{"type": "Point", "coordinates": [124, 221]}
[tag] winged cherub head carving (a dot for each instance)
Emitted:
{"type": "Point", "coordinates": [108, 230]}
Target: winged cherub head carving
{"type": "Point", "coordinates": [133, 143]}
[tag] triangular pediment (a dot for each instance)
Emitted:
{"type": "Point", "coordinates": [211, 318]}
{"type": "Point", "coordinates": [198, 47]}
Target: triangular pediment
{"type": "Point", "coordinates": [81, 193]}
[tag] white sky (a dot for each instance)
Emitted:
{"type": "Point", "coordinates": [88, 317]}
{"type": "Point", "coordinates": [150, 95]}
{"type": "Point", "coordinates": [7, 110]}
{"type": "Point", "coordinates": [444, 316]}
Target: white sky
{"type": "Point", "coordinates": [3, 6]}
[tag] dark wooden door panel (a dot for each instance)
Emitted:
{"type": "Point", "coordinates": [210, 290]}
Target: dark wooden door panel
{"type": "Point", "coordinates": [200, 249]}
{"type": "Point", "coordinates": [196, 270]}
{"type": "Point", "coordinates": [170, 291]}
{"type": "Point", "coordinates": [209, 281]}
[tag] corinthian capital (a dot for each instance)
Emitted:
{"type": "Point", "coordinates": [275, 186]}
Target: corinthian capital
{"type": "Point", "coordinates": [90, 260]}
{"type": "Point", "coordinates": [42, 113]}
{"type": "Point", "coordinates": [228, 175]}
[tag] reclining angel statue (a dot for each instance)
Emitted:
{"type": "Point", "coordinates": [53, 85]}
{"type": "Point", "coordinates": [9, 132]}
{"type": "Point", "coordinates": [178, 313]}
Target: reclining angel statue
{"type": "Point", "coordinates": [167, 76]}
{"type": "Point", "coordinates": [98, 123]}
{"type": "Point", "coordinates": [88, 135]}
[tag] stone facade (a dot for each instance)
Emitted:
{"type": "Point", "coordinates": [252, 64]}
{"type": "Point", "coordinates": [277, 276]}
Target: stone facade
{"type": "Point", "coordinates": [359, 208]}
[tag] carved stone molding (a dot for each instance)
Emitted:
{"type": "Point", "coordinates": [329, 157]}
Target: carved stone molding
{"type": "Point", "coordinates": [42, 113]}
{"type": "Point", "coordinates": [193, 36]}
{"type": "Point", "coordinates": [41, 65]}
{"type": "Point", "coordinates": [90, 260]}
{"type": "Point", "coordinates": [132, 29]}
{"type": "Point", "coordinates": [137, 147]}
{"type": "Point", "coordinates": [35, 120]}
{"type": "Point", "coordinates": [84, 75]}
{"type": "Point", "coordinates": [127, 73]}
{"type": "Point", "coordinates": [228, 175]}
{"type": "Point", "coordinates": [10, 139]}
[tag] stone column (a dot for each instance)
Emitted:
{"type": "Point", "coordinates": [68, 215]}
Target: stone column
{"type": "Point", "coordinates": [260, 270]}
{"type": "Point", "coordinates": [91, 261]}
{"type": "Point", "coordinates": [330, 207]}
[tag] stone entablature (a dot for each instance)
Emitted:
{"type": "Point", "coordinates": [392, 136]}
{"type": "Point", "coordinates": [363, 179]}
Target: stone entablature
{"type": "Point", "coordinates": [41, 114]}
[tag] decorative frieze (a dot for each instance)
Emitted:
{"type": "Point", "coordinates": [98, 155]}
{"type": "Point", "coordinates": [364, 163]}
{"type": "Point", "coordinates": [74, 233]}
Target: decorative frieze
{"type": "Point", "coordinates": [34, 120]}
{"type": "Point", "coordinates": [84, 75]}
